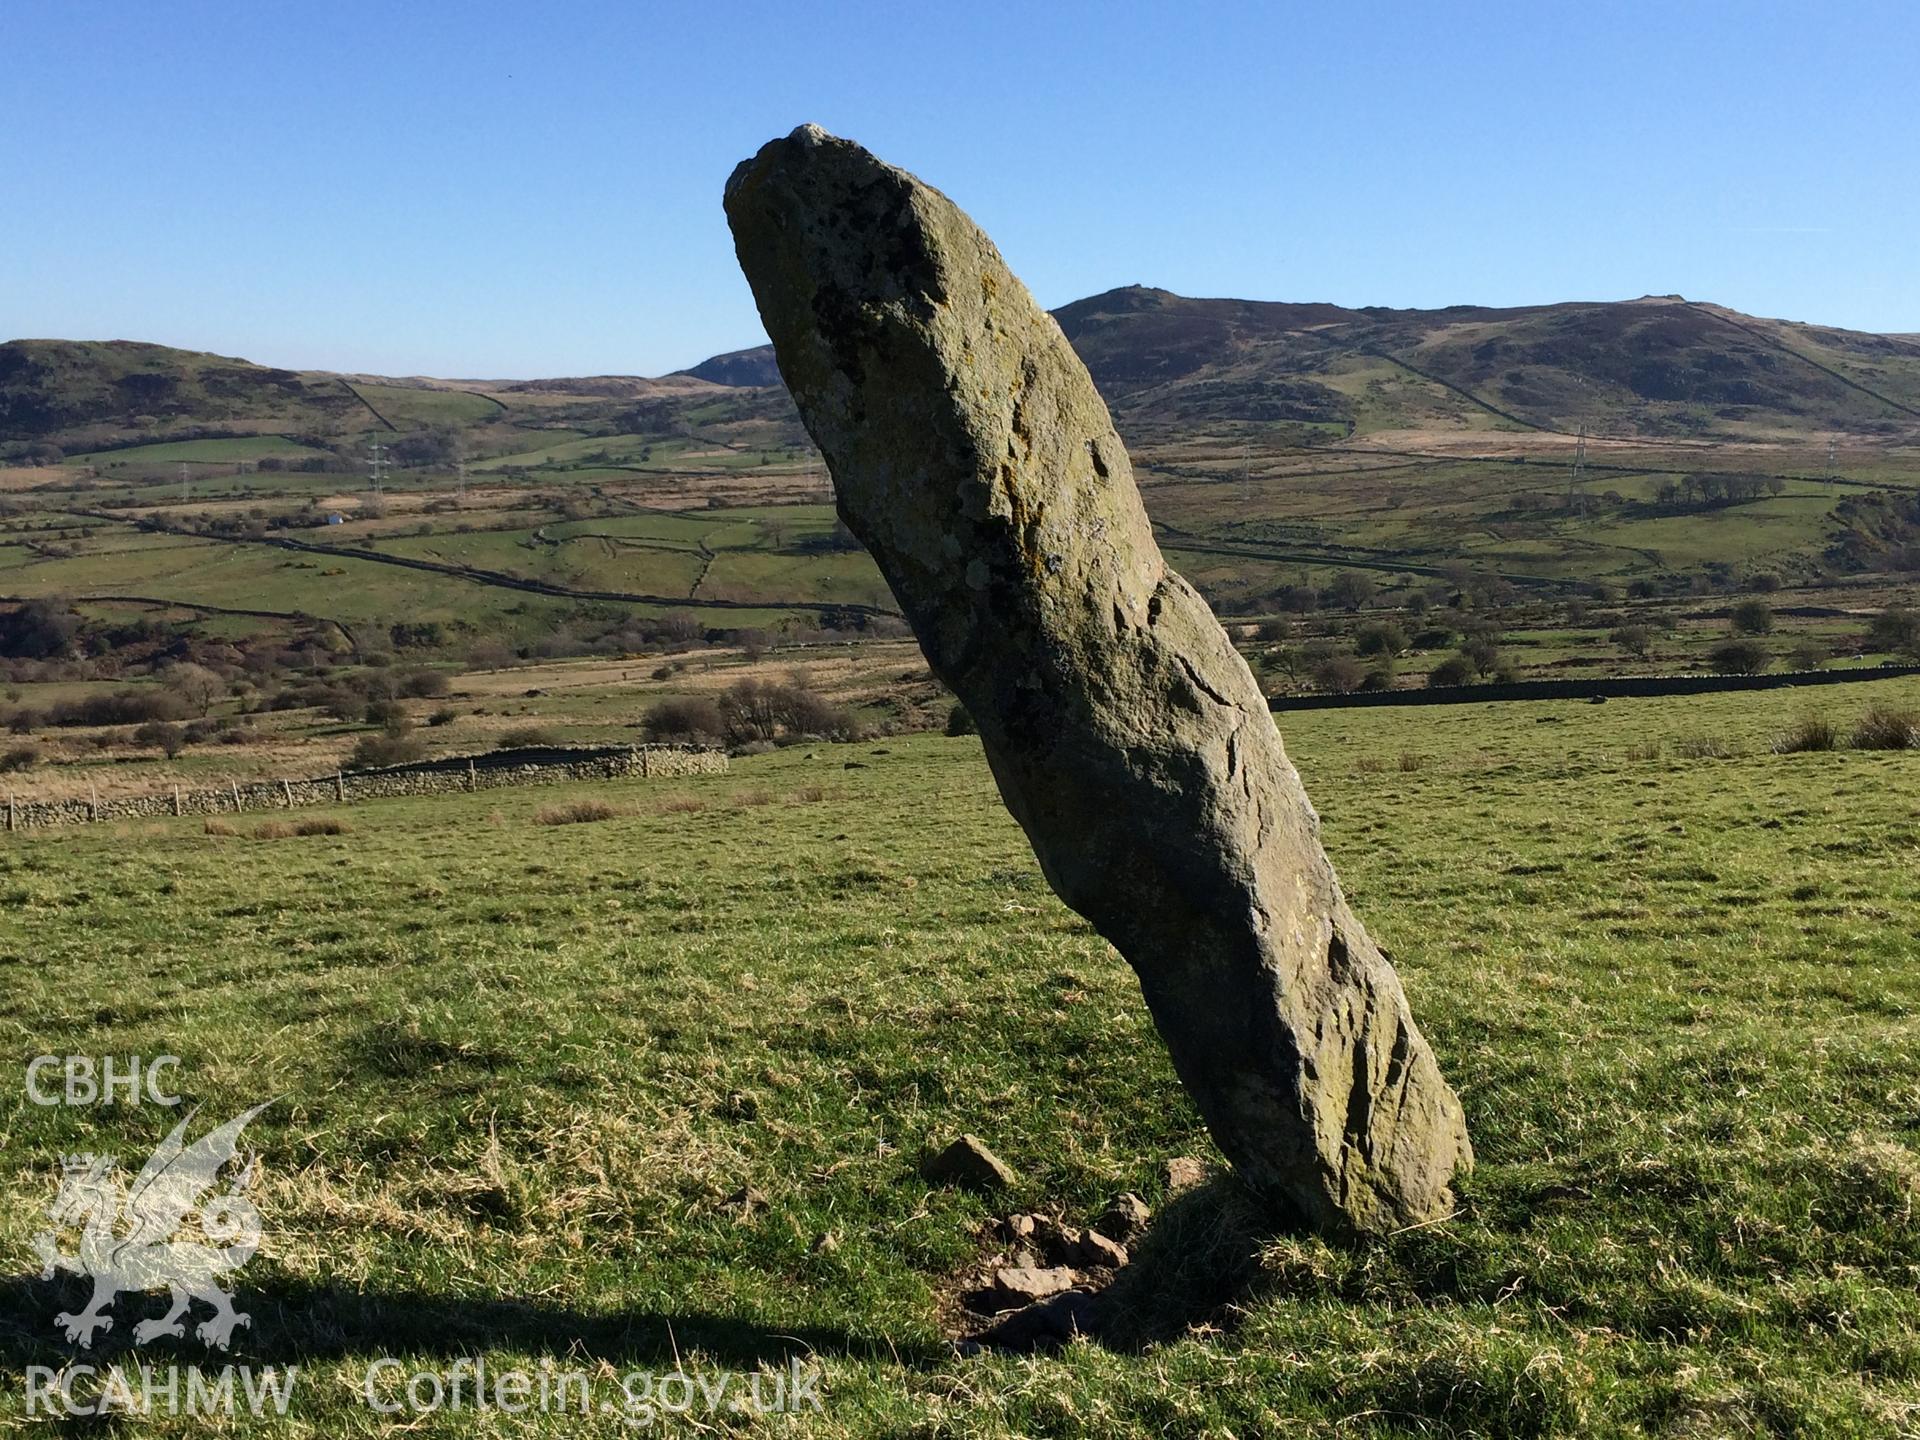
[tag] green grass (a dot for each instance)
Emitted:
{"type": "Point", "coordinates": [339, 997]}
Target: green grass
{"type": "Point", "coordinates": [409, 407]}
{"type": "Point", "coordinates": [526, 1066]}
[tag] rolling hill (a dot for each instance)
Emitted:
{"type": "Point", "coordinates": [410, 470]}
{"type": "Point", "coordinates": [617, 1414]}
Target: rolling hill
{"type": "Point", "coordinates": [1660, 367]}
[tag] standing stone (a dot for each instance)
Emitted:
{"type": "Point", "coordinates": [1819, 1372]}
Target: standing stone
{"type": "Point", "coordinates": [973, 456]}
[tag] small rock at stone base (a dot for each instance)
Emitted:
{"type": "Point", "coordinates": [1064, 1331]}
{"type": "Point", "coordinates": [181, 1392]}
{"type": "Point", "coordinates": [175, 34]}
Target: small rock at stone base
{"type": "Point", "coordinates": [1184, 1172]}
{"type": "Point", "coordinates": [968, 1161]}
{"type": "Point", "coordinates": [1096, 1251]}
{"type": "Point", "coordinates": [1125, 1219]}
{"type": "Point", "coordinates": [1018, 1285]}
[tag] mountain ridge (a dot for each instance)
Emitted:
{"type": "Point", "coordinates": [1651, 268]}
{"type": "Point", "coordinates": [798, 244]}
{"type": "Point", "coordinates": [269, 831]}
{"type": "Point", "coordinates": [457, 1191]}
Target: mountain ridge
{"type": "Point", "coordinates": [1659, 366]}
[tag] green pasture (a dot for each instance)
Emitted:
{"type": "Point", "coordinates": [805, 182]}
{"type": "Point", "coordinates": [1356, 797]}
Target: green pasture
{"type": "Point", "coordinates": [652, 1091]}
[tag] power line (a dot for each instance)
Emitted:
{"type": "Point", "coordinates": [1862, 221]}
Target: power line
{"type": "Point", "coordinates": [377, 465]}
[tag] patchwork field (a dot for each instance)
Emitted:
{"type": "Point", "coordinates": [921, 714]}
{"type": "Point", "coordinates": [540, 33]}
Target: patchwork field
{"type": "Point", "coordinates": [651, 1090]}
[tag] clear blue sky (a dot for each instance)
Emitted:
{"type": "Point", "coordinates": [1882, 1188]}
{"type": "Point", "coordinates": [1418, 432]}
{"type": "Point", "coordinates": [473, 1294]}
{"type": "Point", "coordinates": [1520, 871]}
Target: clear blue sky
{"type": "Point", "coordinates": [490, 189]}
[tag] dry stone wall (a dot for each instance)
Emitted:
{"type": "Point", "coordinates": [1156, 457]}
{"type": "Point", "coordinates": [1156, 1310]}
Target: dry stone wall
{"type": "Point", "coordinates": [433, 777]}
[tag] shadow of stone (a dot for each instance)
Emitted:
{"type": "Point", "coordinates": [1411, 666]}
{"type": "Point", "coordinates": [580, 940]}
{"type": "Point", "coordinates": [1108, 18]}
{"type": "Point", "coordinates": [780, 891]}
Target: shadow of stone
{"type": "Point", "coordinates": [1197, 1267]}
{"type": "Point", "coordinates": [294, 1322]}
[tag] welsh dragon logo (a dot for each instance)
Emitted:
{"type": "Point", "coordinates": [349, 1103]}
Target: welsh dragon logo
{"type": "Point", "coordinates": [128, 1237]}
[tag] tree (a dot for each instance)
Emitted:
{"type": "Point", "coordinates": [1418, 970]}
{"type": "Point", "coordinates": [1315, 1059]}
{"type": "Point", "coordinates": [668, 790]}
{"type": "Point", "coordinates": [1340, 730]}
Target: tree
{"type": "Point", "coordinates": [197, 686]}
{"type": "Point", "coordinates": [1338, 674]}
{"type": "Point", "coordinates": [38, 630]}
{"type": "Point", "coordinates": [1381, 637]}
{"type": "Point", "coordinates": [1810, 655]}
{"type": "Point", "coordinates": [1350, 589]}
{"type": "Point", "coordinates": [166, 737]}
{"type": "Point", "coordinates": [1752, 617]}
{"type": "Point", "coordinates": [1740, 657]}
{"type": "Point", "coordinates": [1636, 640]}
{"type": "Point", "coordinates": [1482, 654]}
{"type": "Point", "coordinates": [1895, 630]}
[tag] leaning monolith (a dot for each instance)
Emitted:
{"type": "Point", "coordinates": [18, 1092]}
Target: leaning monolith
{"type": "Point", "coordinates": [973, 456]}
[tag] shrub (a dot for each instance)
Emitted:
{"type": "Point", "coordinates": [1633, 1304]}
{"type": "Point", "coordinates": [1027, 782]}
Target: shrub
{"type": "Point", "coordinates": [760, 710]}
{"type": "Point", "coordinates": [1809, 655]}
{"type": "Point", "coordinates": [1380, 637]}
{"type": "Point", "coordinates": [1379, 677]}
{"type": "Point", "coordinates": [1644, 750]}
{"type": "Point", "coordinates": [1886, 727]}
{"type": "Point", "coordinates": [1740, 657]}
{"type": "Point", "coordinates": [423, 684]}
{"type": "Point", "coordinates": [1454, 670]}
{"type": "Point", "coordinates": [1434, 637]}
{"type": "Point", "coordinates": [1636, 640]}
{"type": "Point", "coordinates": [18, 757]}
{"type": "Point", "coordinates": [162, 735]}
{"type": "Point", "coordinates": [217, 826]}
{"type": "Point", "coordinates": [1339, 674]}
{"type": "Point", "coordinates": [444, 715]}
{"type": "Point", "coordinates": [1410, 762]}
{"type": "Point", "coordinates": [1482, 654]}
{"type": "Point", "coordinates": [577, 812]}
{"type": "Point", "coordinates": [1808, 733]}
{"type": "Point", "coordinates": [374, 752]}
{"type": "Point", "coordinates": [1752, 617]}
{"type": "Point", "coordinates": [527, 737]}
{"type": "Point", "coordinates": [382, 711]}
{"type": "Point", "coordinates": [959, 722]}
{"type": "Point", "coordinates": [693, 720]}
{"type": "Point", "coordinates": [119, 707]}
{"type": "Point", "coordinates": [1897, 630]}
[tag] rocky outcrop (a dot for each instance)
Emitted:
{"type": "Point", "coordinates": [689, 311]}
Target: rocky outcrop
{"type": "Point", "coordinates": [974, 458]}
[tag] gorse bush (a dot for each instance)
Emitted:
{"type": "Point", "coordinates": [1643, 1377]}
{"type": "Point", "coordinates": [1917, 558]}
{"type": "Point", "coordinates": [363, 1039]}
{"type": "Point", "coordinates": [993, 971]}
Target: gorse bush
{"type": "Point", "coordinates": [374, 752]}
{"type": "Point", "coordinates": [528, 737]}
{"type": "Point", "coordinates": [1740, 657]}
{"type": "Point", "coordinates": [119, 707]}
{"type": "Point", "coordinates": [686, 720]}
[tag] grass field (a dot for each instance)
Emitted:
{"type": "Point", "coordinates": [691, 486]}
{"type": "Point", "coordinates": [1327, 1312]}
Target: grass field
{"type": "Point", "coordinates": [652, 1090]}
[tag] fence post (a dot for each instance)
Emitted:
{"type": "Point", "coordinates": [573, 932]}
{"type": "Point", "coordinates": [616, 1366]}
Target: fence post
{"type": "Point", "coordinates": [473, 778]}
{"type": "Point", "coordinates": [176, 799]}
{"type": "Point", "coordinates": [93, 799]}
{"type": "Point", "coordinates": [286, 788]}
{"type": "Point", "coordinates": [10, 821]}
{"type": "Point", "coordinates": [236, 795]}
{"type": "Point", "coordinates": [340, 787]}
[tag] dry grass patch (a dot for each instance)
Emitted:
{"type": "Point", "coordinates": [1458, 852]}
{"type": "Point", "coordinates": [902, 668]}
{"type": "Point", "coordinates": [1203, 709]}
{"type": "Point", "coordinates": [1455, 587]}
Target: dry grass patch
{"type": "Point", "coordinates": [1808, 734]}
{"type": "Point", "coordinates": [1887, 727]}
{"type": "Point", "coordinates": [577, 812]}
{"type": "Point", "coordinates": [682, 805]}
{"type": "Point", "coordinates": [278, 829]}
